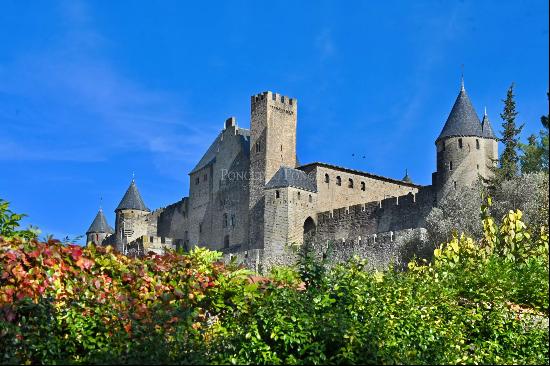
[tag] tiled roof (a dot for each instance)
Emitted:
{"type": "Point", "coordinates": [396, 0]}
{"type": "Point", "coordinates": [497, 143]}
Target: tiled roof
{"type": "Point", "coordinates": [307, 167]}
{"type": "Point", "coordinates": [463, 119]}
{"type": "Point", "coordinates": [100, 224]}
{"type": "Point", "coordinates": [132, 200]}
{"type": "Point", "coordinates": [210, 155]}
{"type": "Point", "coordinates": [486, 128]}
{"type": "Point", "coordinates": [289, 177]}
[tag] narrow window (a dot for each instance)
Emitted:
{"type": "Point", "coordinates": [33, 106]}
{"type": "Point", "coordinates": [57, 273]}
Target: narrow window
{"type": "Point", "coordinates": [226, 241]}
{"type": "Point", "coordinates": [454, 183]}
{"type": "Point", "coordinates": [151, 239]}
{"type": "Point", "coordinates": [277, 195]}
{"type": "Point", "coordinates": [224, 220]}
{"type": "Point", "coordinates": [477, 144]}
{"type": "Point", "coordinates": [327, 178]}
{"type": "Point", "coordinates": [450, 165]}
{"type": "Point", "coordinates": [282, 98]}
{"type": "Point", "coordinates": [310, 198]}
{"type": "Point", "coordinates": [281, 147]}
{"type": "Point", "coordinates": [273, 96]}
{"type": "Point", "coordinates": [205, 178]}
{"type": "Point", "coordinates": [338, 181]}
{"type": "Point", "coordinates": [460, 143]}
{"type": "Point", "coordinates": [477, 166]}
{"type": "Point", "coordinates": [363, 186]}
{"type": "Point", "coordinates": [197, 180]}
{"type": "Point", "coordinates": [443, 146]}
{"type": "Point", "coordinates": [232, 220]}
{"type": "Point", "coordinates": [162, 240]}
{"type": "Point", "coordinates": [350, 183]}
{"type": "Point", "coordinates": [298, 195]}
{"type": "Point", "coordinates": [200, 228]}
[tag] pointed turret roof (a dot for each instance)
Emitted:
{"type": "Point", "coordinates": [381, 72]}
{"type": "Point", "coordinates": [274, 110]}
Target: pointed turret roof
{"type": "Point", "coordinates": [100, 224]}
{"type": "Point", "coordinates": [132, 199]}
{"type": "Point", "coordinates": [463, 119]}
{"type": "Point", "coordinates": [486, 128]}
{"type": "Point", "coordinates": [406, 178]}
{"type": "Point", "coordinates": [290, 177]}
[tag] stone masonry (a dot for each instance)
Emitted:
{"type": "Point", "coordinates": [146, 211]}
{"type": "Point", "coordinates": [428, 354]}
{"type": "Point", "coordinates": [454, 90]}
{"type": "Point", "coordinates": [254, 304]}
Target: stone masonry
{"type": "Point", "coordinates": [251, 199]}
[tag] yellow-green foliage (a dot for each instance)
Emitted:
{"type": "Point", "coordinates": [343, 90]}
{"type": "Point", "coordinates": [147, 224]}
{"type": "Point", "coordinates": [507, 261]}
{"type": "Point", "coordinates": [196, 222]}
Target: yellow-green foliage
{"type": "Point", "coordinates": [476, 303]}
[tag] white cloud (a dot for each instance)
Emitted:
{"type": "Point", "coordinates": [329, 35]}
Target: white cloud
{"type": "Point", "coordinates": [69, 88]}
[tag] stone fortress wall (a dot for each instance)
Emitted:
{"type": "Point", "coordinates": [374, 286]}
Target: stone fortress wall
{"type": "Point", "coordinates": [249, 199]}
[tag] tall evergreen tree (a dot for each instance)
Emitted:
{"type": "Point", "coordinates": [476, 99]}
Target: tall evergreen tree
{"type": "Point", "coordinates": [508, 161]}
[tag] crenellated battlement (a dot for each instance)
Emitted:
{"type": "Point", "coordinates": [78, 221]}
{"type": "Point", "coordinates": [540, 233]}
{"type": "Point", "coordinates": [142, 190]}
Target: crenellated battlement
{"type": "Point", "coordinates": [273, 98]}
{"type": "Point", "coordinates": [391, 205]}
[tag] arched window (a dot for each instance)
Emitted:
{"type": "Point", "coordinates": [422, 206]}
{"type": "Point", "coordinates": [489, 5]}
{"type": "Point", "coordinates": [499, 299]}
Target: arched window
{"type": "Point", "coordinates": [363, 186]}
{"type": "Point", "coordinates": [350, 183]}
{"type": "Point", "coordinates": [460, 143]}
{"type": "Point", "coordinates": [338, 181]}
{"type": "Point", "coordinates": [477, 144]}
{"type": "Point", "coordinates": [310, 198]}
{"type": "Point", "coordinates": [450, 165]}
{"type": "Point", "coordinates": [299, 195]}
{"type": "Point", "coordinates": [277, 195]}
{"type": "Point", "coordinates": [327, 178]}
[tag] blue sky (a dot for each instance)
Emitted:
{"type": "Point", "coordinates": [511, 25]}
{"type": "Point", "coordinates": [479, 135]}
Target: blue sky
{"type": "Point", "coordinates": [93, 91]}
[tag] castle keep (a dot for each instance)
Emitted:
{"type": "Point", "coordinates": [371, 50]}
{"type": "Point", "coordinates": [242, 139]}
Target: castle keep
{"type": "Point", "coordinates": [250, 197]}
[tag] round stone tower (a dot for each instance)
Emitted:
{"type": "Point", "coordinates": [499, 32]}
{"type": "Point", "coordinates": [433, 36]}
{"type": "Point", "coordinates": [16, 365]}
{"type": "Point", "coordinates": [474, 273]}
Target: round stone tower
{"type": "Point", "coordinates": [99, 229]}
{"type": "Point", "coordinates": [130, 217]}
{"type": "Point", "coordinates": [466, 148]}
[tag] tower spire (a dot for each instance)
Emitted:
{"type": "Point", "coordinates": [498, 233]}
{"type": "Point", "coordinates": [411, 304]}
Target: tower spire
{"type": "Point", "coordinates": [462, 78]}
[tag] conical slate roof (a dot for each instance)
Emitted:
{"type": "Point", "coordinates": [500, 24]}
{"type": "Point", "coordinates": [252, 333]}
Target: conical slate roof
{"type": "Point", "coordinates": [132, 200]}
{"type": "Point", "coordinates": [463, 119]}
{"type": "Point", "coordinates": [289, 177]}
{"type": "Point", "coordinates": [406, 178]}
{"type": "Point", "coordinates": [100, 224]}
{"type": "Point", "coordinates": [486, 128]}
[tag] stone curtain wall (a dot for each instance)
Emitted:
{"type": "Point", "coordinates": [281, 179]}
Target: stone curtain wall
{"type": "Point", "coordinates": [331, 195]}
{"type": "Point", "coordinates": [395, 247]}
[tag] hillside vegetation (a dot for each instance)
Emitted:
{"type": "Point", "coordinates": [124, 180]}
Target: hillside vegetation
{"type": "Point", "coordinates": [477, 302]}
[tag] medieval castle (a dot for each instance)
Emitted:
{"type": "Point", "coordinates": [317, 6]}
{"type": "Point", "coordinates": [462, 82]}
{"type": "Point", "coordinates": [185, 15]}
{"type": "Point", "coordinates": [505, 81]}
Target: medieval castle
{"type": "Point", "coordinates": [250, 198]}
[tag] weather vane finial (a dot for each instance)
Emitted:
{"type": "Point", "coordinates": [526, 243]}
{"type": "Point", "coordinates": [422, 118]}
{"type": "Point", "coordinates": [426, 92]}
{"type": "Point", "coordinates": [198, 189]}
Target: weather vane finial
{"type": "Point", "coordinates": [100, 203]}
{"type": "Point", "coordinates": [462, 78]}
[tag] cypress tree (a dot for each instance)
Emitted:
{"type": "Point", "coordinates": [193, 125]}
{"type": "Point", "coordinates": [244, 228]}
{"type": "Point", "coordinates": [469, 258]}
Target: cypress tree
{"type": "Point", "coordinates": [508, 162]}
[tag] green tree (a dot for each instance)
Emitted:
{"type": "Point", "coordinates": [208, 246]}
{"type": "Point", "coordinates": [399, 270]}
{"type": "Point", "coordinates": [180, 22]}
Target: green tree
{"type": "Point", "coordinates": [544, 138]}
{"type": "Point", "coordinates": [509, 159]}
{"type": "Point", "coordinates": [9, 222]}
{"type": "Point", "coordinates": [535, 152]}
{"type": "Point", "coordinates": [531, 160]}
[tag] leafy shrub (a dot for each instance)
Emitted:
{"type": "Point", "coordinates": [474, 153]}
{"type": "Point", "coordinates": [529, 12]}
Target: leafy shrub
{"type": "Point", "coordinates": [479, 301]}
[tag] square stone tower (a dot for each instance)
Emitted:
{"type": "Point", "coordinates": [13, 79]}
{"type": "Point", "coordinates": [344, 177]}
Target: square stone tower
{"type": "Point", "coordinates": [272, 145]}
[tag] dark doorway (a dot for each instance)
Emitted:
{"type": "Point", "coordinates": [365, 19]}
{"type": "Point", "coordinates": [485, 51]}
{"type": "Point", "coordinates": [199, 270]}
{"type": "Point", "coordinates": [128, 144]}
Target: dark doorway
{"type": "Point", "coordinates": [309, 229]}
